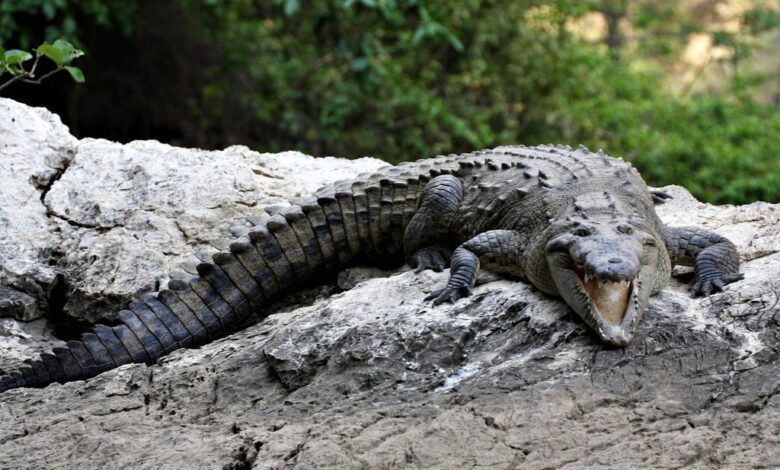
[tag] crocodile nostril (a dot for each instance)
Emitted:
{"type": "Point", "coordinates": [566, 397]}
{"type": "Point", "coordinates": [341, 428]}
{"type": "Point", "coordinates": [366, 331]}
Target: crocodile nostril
{"type": "Point", "coordinates": [615, 260]}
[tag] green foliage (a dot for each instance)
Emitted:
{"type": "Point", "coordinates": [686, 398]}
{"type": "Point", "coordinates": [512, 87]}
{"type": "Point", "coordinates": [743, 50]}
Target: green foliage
{"type": "Point", "coordinates": [13, 58]}
{"type": "Point", "coordinates": [760, 19]}
{"type": "Point", "coordinates": [76, 74]}
{"type": "Point", "coordinates": [404, 79]}
{"type": "Point", "coordinates": [60, 52]}
{"type": "Point", "coordinates": [722, 148]}
{"type": "Point", "coordinates": [385, 78]}
{"type": "Point", "coordinates": [62, 18]}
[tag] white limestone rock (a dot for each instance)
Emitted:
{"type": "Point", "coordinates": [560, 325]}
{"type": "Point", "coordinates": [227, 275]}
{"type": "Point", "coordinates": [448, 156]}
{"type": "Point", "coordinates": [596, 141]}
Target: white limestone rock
{"type": "Point", "coordinates": [373, 376]}
{"type": "Point", "coordinates": [115, 219]}
{"type": "Point", "coordinates": [35, 148]}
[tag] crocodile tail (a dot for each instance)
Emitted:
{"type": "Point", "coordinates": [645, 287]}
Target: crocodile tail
{"type": "Point", "coordinates": [282, 249]}
{"type": "Point", "coordinates": [189, 313]}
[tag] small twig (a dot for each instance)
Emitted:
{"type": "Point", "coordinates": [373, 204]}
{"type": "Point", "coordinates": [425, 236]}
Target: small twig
{"type": "Point", "coordinates": [18, 77]}
{"type": "Point", "coordinates": [29, 76]}
{"type": "Point", "coordinates": [35, 65]}
{"type": "Point", "coordinates": [38, 81]}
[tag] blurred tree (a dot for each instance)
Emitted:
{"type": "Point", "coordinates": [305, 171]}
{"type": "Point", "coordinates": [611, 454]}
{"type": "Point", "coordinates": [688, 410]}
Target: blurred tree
{"type": "Point", "coordinates": [145, 61]}
{"type": "Point", "coordinates": [30, 22]}
{"type": "Point", "coordinates": [405, 79]}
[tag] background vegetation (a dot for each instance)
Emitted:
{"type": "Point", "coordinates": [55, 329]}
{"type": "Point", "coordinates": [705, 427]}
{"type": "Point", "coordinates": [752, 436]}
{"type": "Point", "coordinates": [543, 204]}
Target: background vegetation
{"type": "Point", "coordinates": [688, 90]}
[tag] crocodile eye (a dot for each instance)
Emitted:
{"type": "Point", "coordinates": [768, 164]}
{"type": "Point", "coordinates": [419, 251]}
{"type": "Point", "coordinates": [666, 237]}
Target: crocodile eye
{"type": "Point", "coordinates": [625, 229]}
{"type": "Point", "coordinates": [649, 242]}
{"type": "Point", "coordinates": [582, 232]}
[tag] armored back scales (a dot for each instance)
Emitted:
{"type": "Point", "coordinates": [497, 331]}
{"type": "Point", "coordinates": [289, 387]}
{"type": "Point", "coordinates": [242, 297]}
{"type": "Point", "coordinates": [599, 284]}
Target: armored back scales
{"type": "Point", "coordinates": [575, 224]}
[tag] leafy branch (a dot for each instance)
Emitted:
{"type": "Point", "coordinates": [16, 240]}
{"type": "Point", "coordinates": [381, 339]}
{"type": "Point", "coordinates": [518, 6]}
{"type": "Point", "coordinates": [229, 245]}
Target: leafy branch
{"type": "Point", "coordinates": [60, 52]}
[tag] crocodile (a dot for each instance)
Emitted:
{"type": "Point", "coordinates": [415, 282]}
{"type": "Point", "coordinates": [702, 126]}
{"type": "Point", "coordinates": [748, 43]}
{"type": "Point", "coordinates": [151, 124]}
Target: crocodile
{"type": "Point", "coordinates": [575, 224]}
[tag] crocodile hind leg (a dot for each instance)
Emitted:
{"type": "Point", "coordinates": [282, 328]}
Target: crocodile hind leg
{"type": "Point", "coordinates": [497, 250]}
{"type": "Point", "coordinates": [425, 239]}
{"type": "Point", "coordinates": [714, 258]}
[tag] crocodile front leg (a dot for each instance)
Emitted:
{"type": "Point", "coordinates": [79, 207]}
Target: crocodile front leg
{"type": "Point", "coordinates": [715, 258]}
{"type": "Point", "coordinates": [425, 239]}
{"type": "Point", "coordinates": [498, 250]}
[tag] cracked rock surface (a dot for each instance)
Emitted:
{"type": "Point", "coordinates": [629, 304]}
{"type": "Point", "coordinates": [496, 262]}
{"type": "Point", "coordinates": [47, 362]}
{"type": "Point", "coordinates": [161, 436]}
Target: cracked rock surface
{"type": "Point", "coordinates": [115, 219]}
{"type": "Point", "coordinates": [35, 148]}
{"type": "Point", "coordinates": [366, 374]}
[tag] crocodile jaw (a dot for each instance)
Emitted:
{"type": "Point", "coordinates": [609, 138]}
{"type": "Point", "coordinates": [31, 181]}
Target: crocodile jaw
{"type": "Point", "coordinates": [608, 298]}
{"type": "Point", "coordinates": [611, 308]}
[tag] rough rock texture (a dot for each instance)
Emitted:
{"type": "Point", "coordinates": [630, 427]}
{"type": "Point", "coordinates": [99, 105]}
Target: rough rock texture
{"type": "Point", "coordinates": [35, 148]}
{"type": "Point", "coordinates": [115, 219]}
{"type": "Point", "coordinates": [371, 376]}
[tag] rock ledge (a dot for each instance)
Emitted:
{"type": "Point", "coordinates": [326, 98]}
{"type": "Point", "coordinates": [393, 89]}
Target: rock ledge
{"type": "Point", "coordinates": [362, 373]}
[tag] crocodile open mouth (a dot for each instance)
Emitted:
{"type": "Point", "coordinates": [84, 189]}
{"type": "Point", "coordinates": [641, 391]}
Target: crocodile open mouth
{"type": "Point", "coordinates": [610, 298]}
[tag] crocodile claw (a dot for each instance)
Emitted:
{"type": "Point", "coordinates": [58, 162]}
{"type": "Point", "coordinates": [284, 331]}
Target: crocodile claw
{"type": "Point", "coordinates": [435, 257]}
{"type": "Point", "coordinates": [449, 294]}
{"type": "Point", "coordinates": [703, 287]}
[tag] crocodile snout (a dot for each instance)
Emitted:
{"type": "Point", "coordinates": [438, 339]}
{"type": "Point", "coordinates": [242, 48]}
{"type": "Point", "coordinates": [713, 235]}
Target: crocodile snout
{"type": "Point", "coordinates": [611, 267]}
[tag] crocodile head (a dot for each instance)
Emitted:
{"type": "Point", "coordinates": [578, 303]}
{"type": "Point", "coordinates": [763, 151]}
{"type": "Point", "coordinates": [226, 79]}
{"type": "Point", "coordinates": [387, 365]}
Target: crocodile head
{"type": "Point", "coordinates": [605, 269]}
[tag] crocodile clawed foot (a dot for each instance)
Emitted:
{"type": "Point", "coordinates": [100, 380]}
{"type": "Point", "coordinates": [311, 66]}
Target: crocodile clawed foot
{"type": "Point", "coordinates": [435, 257]}
{"type": "Point", "coordinates": [449, 294]}
{"type": "Point", "coordinates": [703, 287]}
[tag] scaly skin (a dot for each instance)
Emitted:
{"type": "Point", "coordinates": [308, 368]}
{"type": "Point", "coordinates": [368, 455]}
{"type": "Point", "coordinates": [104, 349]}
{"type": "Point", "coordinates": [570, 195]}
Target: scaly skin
{"type": "Point", "coordinates": [574, 224]}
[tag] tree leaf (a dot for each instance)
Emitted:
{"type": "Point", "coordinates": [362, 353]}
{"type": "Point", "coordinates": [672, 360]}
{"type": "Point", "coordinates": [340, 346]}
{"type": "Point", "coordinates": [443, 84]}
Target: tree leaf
{"type": "Point", "coordinates": [66, 47]}
{"type": "Point", "coordinates": [454, 41]}
{"type": "Point", "coordinates": [359, 64]}
{"type": "Point", "coordinates": [419, 34]}
{"type": "Point", "coordinates": [54, 53]}
{"type": "Point", "coordinates": [16, 56]}
{"type": "Point", "coordinates": [291, 6]}
{"type": "Point", "coordinates": [76, 73]}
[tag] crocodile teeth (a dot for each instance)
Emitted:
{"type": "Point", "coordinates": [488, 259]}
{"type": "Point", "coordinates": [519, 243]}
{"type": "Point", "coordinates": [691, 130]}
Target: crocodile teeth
{"type": "Point", "coordinates": [606, 283]}
{"type": "Point", "coordinates": [610, 298]}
